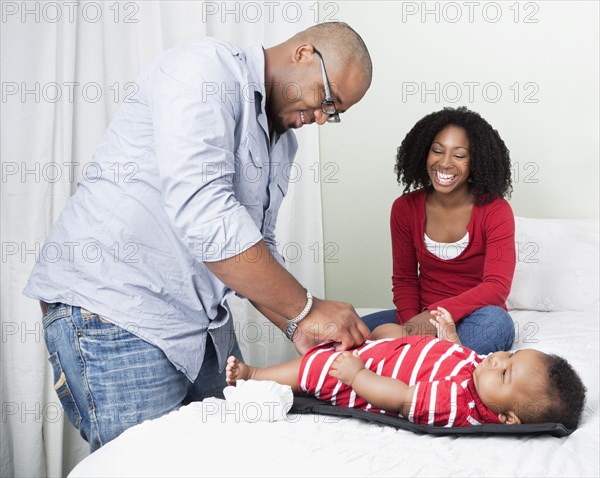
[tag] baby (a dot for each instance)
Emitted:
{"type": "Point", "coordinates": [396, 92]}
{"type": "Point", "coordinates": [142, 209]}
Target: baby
{"type": "Point", "coordinates": [432, 381]}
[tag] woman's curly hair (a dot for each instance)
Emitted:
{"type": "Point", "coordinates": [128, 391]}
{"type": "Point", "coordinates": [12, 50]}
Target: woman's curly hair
{"type": "Point", "coordinates": [489, 157]}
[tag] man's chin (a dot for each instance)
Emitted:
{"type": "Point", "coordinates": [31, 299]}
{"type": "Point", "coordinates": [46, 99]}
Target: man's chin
{"type": "Point", "coordinates": [280, 127]}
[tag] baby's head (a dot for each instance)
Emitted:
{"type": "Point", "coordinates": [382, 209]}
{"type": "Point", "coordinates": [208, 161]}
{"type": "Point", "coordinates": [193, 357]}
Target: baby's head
{"type": "Point", "coordinates": [529, 386]}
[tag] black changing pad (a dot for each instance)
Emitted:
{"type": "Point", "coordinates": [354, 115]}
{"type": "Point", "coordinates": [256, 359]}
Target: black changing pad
{"type": "Point", "coordinates": [313, 405]}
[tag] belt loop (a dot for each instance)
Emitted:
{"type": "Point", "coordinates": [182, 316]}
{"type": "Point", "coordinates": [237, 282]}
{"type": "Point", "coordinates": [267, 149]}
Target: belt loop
{"type": "Point", "coordinates": [76, 317]}
{"type": "Point", "coordinates": [55, 312]}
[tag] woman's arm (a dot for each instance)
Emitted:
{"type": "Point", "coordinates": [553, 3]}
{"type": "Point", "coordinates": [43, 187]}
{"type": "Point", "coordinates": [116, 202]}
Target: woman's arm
{"type": "Point", "coordinates": [405, 283]}
{"type": "Point", "coordinates": [384, 393]}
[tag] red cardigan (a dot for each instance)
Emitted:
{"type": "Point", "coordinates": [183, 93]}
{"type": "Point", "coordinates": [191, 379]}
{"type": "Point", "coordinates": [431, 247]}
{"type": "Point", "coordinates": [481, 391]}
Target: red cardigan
{"type": "Point", "coordinates": [481, 275]}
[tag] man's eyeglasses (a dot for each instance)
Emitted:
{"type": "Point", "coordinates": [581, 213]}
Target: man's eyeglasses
{"type": "Point", "coordinates": [327, 105]}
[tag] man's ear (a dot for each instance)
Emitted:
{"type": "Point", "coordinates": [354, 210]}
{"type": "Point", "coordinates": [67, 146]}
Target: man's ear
{"type": "Point", "coordinates": [509, 418]}
{"type": "Point", "coordinates": [303, 52]}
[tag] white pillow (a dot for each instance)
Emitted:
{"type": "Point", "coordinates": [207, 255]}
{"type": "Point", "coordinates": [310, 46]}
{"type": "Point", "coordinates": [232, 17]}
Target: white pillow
{"type": "Point", "coordinates": [557, 265]}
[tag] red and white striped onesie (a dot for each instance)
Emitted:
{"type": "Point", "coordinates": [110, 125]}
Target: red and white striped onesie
{"type": "Point", "coordinates": [440, 370]}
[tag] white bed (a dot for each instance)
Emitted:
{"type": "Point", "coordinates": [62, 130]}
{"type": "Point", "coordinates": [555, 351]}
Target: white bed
{"type": "Point", "coordinates": [201, 440]}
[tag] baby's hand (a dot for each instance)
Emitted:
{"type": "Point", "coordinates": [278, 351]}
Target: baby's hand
{"type": "Point", "coordinates": [445, 326]}
{"type": "Point", "coordinates": [346, 366]}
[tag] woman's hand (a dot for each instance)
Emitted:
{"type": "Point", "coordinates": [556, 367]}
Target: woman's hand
{"type": "Point", "coordinates": [346, 367]}
{"type": "Point", "coordinates": [445, 326]}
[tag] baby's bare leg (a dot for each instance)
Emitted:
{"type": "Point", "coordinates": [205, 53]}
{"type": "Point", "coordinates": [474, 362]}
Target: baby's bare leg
{"type": "Point", "coordinates": [285, 373]}
{"type": "Point", "coordinates": [389, 331]}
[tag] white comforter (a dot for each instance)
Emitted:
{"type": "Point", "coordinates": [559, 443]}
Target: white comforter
{"type": "Point", "coordinates": [201, 440]}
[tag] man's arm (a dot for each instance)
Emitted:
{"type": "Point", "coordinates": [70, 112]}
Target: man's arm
{"type": "Point", "coordinates": [256, 275]}
{"type": "Point", "coordinates": [384, 393]}
{"type": "Point", "coordinates": [196, 163]}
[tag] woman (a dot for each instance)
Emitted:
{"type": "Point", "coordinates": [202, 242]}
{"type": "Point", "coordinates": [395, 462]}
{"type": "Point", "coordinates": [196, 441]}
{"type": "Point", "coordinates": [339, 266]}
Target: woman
{"type": "Point", "coordinates": [452, 231]}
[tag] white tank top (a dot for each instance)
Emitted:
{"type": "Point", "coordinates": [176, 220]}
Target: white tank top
{"type": "Point", "coordinates": [447, 250]}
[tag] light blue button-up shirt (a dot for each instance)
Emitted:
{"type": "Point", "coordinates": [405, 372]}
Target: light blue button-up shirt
{"type": "Point", "coordinates": [185, 174]}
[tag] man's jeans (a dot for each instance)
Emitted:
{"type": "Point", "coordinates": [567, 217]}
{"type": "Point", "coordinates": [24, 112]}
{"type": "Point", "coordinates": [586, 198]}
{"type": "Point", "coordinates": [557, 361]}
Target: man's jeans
{"type": "Point", "coordinates": [108, 379]}
{"type": "Point", "coordinates": [485, 330]}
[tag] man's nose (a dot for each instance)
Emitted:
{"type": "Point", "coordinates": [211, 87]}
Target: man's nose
{"type": "Point", "coordinates": [320, 117]}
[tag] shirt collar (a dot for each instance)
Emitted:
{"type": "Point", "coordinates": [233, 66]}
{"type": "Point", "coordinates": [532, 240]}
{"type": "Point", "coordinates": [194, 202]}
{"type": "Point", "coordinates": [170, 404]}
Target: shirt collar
{"type": "Point", "coordinates": [255, 61]}
{"type": "Point", "coordinates": [480, 412]}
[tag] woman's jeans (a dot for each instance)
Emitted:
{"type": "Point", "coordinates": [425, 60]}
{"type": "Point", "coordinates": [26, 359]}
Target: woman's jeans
{"type": "Point", "coordinates": [108, 379]}
{"type": "Point", "coordinates": [485, 330]}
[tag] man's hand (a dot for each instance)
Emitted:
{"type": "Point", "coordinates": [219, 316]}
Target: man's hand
{"type": "Point", "coordinates": [330, 321]}
{"type": "Point", "coordinates": [445, 326]}
{"type": "Point", "coordinates": [346, 367]}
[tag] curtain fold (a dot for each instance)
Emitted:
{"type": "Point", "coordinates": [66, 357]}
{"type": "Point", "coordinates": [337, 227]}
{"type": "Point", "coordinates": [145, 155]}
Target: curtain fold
{"type": "Point", "coordinates": [63, 80]}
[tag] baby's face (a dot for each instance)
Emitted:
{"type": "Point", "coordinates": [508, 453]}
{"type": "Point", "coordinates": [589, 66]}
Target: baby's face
{"type": "Point", "coordinates": [511, 381]}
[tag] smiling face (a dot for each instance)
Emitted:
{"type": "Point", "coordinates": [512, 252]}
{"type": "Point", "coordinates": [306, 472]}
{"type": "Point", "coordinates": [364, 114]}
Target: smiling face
{"type": "Point", "coordinates": [448, 161]}
{"type": "Point", "coordinates": [296, 100]}
{"type": "Point", "coordinates": [512, 384]}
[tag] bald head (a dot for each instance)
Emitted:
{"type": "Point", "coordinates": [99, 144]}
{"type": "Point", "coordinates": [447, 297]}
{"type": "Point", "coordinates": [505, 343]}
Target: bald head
{"type": "Point", "coordinates": [341, 45]}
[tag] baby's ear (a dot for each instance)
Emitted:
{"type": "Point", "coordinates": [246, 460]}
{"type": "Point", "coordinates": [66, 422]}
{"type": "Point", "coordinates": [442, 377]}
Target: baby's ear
{"type": "Point", "coordinates": [509, 418]}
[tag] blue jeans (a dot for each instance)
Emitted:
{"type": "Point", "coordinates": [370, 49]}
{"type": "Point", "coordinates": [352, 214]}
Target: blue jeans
{"type": "Point", "coordinates": [108, 379]}
{"type": "Point", "coordinates": [485, 330]}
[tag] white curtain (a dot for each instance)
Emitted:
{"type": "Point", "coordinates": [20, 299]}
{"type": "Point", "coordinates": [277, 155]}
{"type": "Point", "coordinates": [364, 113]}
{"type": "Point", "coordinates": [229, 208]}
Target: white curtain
{"type": "Point", "coordinates": [66, 67]}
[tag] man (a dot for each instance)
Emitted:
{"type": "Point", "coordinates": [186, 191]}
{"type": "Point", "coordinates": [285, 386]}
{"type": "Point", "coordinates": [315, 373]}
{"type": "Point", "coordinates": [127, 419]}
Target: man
{"type": "Point", "coordinates": [135, 313]}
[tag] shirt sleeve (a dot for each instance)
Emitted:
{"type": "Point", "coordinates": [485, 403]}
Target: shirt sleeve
{"type": "Point", "coordinates": [441, 403]}
{"type": "Point", "coordinates": [194, 138]}
{"type": "Point", "coordinates": [498, 269]}
{"type": "Point", "coordinates": [405, 278]}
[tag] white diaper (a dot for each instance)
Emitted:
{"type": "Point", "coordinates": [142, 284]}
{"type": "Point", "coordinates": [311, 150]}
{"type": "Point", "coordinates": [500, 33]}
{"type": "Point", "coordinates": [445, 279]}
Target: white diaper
{"type": "Point", "coordinates": [263, 400]}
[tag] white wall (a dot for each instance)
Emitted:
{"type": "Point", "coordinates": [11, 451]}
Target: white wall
{"type": "Point", "coordinates": [535, 69]}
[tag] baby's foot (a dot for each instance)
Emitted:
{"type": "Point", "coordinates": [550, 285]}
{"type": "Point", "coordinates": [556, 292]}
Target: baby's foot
{"type": "Point", "coordinates": [236, 370]}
